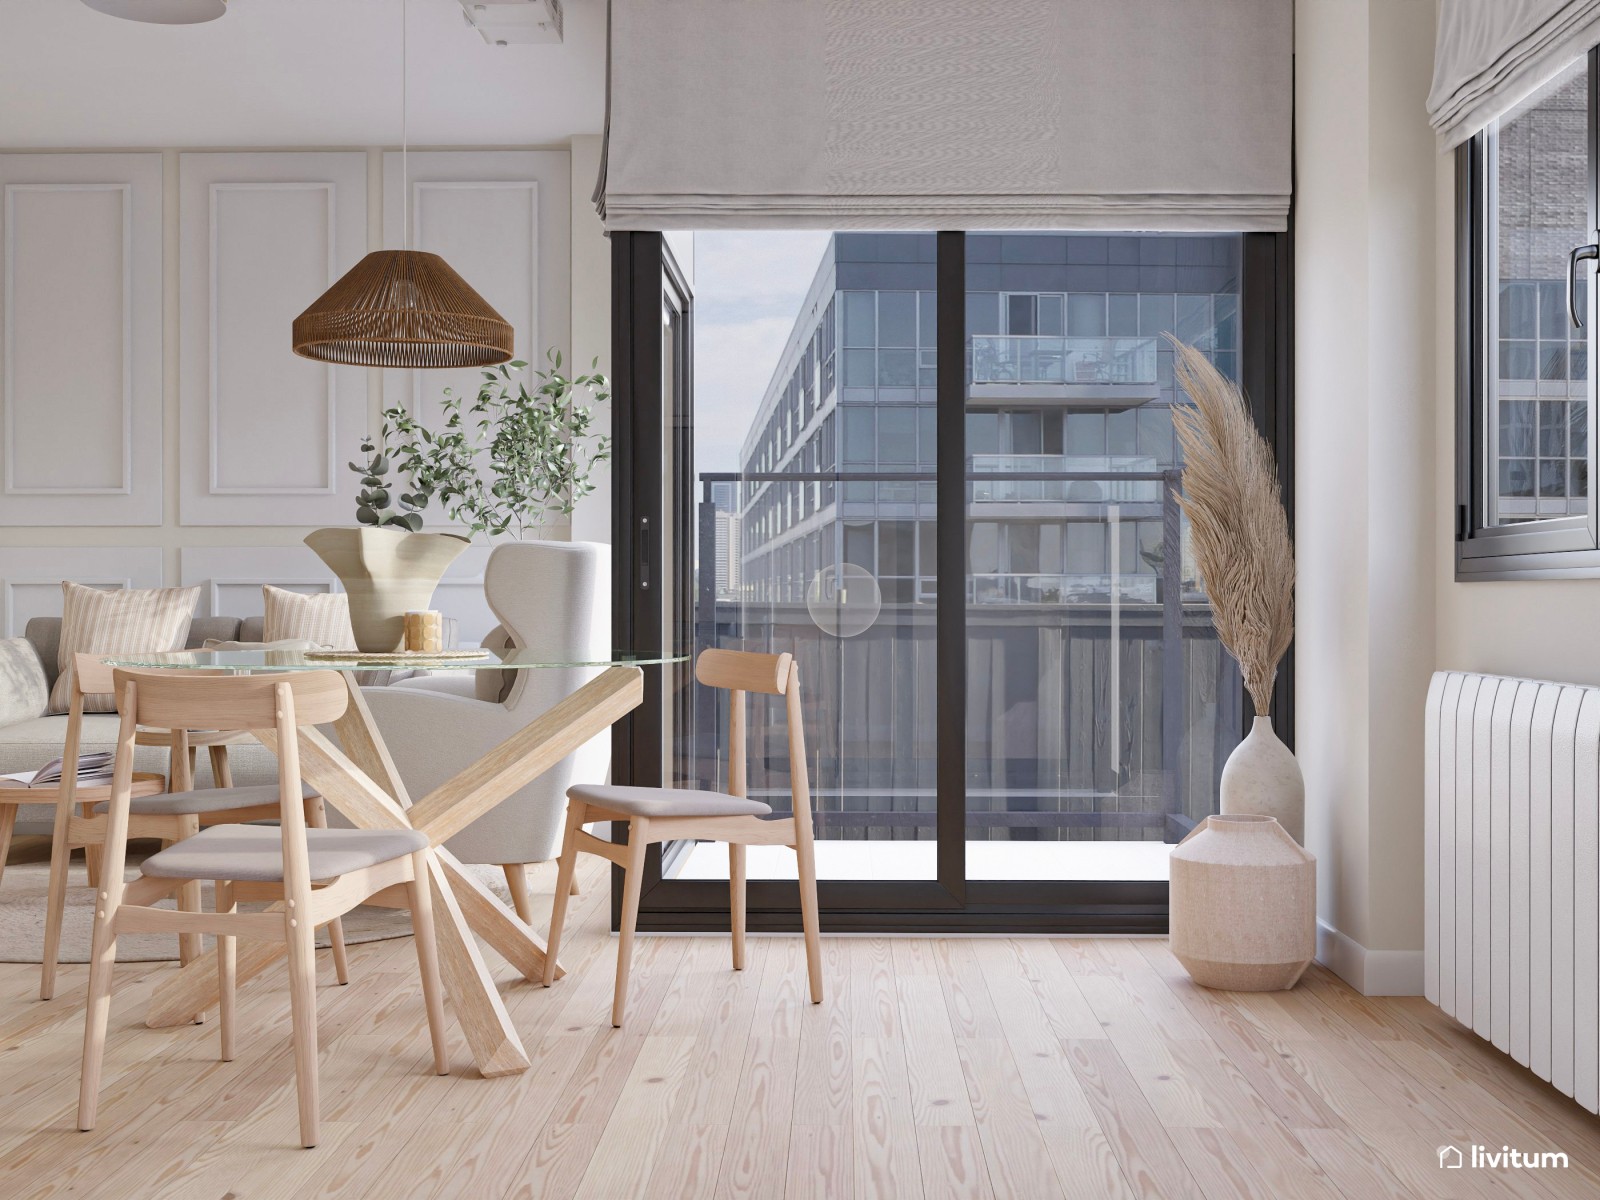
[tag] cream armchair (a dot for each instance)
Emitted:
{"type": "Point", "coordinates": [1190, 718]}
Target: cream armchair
{"type": "Point", "coordinates": [553, 599]}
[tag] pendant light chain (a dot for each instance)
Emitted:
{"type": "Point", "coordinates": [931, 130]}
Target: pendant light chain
{"type": "Point", "coordinates": [405, 124]}
{"type": "Point", "coordinates": [403, 308]}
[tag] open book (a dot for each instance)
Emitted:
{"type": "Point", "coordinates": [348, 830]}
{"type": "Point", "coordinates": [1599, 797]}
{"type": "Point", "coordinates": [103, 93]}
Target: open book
{"type": "Point", "coordinates": [93, 771]}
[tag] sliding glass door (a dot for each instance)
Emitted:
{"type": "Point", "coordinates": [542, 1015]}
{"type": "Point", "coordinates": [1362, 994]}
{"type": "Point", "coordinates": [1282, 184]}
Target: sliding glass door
{"type": "Point", "coordinates": [939, 470]}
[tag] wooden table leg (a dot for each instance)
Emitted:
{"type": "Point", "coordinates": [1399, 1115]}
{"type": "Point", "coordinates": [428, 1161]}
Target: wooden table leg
{"type": "Point", "coordinates": [8, 822]}
{"type": "Point", "coordinates": [492, 1037]}
{"type": "Point", "coordinates": [360, 779]}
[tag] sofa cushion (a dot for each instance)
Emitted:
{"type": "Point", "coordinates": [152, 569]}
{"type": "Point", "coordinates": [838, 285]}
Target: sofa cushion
{"type": "Point", "coordinates": [45, 635]}
{"type": "Point", "coordinates": [94, 620]}
{"type": "Point", "coordinates": [24, 690]}
{"type": "Point", "coordinates": [322, 619]}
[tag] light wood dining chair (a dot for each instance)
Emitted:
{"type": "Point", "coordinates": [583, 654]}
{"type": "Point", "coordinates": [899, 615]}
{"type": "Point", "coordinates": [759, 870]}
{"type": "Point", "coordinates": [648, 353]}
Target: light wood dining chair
{"type": "Point", "coordinates": [179, 812]}
{"type": "Point", "coordinates": [317, 874]}
{"type": "Point", "coordinates": [670, 814]}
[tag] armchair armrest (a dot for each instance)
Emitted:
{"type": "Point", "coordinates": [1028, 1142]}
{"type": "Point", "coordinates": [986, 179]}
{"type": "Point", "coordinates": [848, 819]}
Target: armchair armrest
{"type": "Point", "coordinates": [24, 686]}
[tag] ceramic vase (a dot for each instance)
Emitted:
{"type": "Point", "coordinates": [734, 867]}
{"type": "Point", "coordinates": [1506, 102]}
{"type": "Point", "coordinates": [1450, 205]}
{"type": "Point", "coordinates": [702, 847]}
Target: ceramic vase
{"type": "Point", "coordinates": [1243, 905]}
{"type": "Point", "coordinates": [386, 572]}
{"type": "Point", "coordinates": [1261, 778]}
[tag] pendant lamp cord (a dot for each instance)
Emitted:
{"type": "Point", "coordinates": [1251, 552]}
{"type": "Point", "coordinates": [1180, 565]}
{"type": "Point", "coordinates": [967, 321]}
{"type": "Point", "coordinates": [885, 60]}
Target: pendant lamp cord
{"type": "Point", "coordinates": [405, 132]}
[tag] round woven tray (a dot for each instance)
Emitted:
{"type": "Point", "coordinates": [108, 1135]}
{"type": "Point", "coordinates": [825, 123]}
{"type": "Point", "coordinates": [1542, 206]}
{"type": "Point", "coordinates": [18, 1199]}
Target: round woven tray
{"type": "Point", "coordinates": [394, 656]}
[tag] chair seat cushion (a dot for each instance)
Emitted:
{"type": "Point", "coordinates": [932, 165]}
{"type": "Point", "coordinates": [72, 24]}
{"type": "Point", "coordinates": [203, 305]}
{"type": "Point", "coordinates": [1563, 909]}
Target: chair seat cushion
{"type": "Point", "coordinates": [205, 800]}
{"type": "Point", "coordinates": [666, 802]}
{"type": "Point", "coordinates": [254, 853]}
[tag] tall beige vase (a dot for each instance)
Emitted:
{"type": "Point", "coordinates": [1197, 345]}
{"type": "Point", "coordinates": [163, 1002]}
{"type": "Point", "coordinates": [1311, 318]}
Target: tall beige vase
{"type": "Point", "coordinates": [1243, 905]}
{"type": "Point", "coordinates": [1262, 778]}
{"type": "Point", "coordinates": [386, 573]}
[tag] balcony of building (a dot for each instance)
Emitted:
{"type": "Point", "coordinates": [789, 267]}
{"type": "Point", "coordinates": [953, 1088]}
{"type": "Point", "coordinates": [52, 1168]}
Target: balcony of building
{"type": "Point", "coordinates": [1063, 370]}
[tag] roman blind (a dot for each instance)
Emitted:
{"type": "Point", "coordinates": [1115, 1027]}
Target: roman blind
{"type": "Point", "coordinates": [1490, 54]}
{"type": "Point", "coordinates": [949, 114]}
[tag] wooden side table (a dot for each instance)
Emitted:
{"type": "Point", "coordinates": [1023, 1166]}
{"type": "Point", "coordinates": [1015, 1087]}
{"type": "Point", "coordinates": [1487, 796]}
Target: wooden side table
{"type": "Point", "coordinates": [14, 795]}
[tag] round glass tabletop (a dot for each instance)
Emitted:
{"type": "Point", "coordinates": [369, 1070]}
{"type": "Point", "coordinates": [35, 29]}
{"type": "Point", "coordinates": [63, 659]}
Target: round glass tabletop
{"type": "Point", "coordinates": [244, 662]}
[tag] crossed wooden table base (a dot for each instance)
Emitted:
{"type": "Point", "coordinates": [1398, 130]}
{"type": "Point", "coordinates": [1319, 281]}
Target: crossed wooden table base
{"type": "Point", "coordinates": [361, 782]}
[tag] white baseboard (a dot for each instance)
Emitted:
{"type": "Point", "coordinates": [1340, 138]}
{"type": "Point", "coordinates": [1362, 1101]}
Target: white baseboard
{"type": "Point", "coordinates": [1370, 972]}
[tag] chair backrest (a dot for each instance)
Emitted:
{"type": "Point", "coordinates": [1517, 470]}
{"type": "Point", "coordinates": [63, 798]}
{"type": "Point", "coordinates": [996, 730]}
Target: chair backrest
{"type": "Point", "coordinates": [191, 700]}
{"type": "Point", "coordinates": [741, 671]}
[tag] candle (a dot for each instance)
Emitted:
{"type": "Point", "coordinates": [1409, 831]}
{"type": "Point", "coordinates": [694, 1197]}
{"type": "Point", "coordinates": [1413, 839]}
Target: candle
{"type": "Point", "coordinates": [424, 631]}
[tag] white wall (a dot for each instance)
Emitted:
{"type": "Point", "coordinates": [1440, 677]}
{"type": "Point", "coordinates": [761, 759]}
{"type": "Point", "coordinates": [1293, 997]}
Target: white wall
{"type": "Point", "coordinates": [1366, 499]}
{"type": "Point", "coordinates": [196, 332]}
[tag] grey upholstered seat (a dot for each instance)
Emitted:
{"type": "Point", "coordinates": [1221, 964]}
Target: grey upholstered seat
{"type": "Point", "coordinates": [206, 800]}
{"type": "Point", "coordinates": [666, 802]}
{"type": "Point", "coordinates": [254, 853]}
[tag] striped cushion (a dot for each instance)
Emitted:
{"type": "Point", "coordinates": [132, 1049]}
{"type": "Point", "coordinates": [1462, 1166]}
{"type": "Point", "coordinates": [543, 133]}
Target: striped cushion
{"type": "Point", "coordinates": [319, 618]}
{"type": "Point", "coordinates": [127, 620]}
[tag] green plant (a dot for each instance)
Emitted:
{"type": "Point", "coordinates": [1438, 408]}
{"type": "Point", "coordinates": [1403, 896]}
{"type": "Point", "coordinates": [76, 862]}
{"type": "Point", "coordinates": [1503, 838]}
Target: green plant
{"type": "Point", "coordinates": [375, 496]}
{"type": "Point", "coordinates": [508, 459]}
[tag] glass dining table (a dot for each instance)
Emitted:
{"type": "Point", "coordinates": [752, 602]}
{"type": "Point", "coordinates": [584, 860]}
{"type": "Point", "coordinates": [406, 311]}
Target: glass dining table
{"type": "Point", "coordinates": [357, 775]}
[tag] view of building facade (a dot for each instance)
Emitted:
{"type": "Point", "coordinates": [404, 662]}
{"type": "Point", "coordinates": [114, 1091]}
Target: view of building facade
{"type": "Point", "coordinates": [1541, 363]}
{"type": "Point", "coordinates": [1100, 704]}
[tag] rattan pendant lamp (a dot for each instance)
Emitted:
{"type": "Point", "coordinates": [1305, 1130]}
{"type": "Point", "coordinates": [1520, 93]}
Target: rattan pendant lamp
{"type": "Point", "coordinates": [403, 308]}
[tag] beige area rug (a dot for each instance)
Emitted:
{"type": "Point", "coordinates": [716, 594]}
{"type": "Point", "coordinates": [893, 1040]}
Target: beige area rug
{"type": "Point", "coordinates": [22, 904]}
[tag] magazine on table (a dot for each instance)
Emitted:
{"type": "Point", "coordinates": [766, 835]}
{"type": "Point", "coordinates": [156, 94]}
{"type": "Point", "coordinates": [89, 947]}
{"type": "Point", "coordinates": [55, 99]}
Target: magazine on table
{"type": "Point", "coordinates": [93, 770]}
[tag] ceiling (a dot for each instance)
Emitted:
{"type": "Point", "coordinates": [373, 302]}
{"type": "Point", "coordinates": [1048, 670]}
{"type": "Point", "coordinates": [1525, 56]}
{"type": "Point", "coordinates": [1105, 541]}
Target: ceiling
{"type": "Point", "coordinates": [290, 73]}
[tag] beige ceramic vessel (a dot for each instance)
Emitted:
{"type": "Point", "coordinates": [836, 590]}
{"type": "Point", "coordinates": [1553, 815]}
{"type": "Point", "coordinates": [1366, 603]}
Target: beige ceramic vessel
{"type": "Point", "coordinates": [387, 573]}
{"type": "Point", "coordinates": [1243, 905]}
{"type": "Point", "coordinates": [1262, 778]}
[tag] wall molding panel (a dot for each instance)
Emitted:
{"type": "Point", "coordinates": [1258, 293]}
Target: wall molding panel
{"type": "Point", "coordinates": [30, 577]}
{"type": "Point", "coordinates": [265, 433]}
{"type": "Point", "coordinates": [81, 339]}
{"type": "Point", "coordinates": [234, 575]}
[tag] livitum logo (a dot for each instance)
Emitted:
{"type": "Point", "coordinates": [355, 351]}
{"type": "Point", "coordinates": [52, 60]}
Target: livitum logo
{"type": "Point", "coordinates": [1454, 1158]}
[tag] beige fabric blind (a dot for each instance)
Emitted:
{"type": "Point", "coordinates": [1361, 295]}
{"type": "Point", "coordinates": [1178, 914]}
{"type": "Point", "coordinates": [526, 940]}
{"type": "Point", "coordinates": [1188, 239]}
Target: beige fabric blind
{"type": "Point", "coordinates": [1491, 54]}
{"type": "Point", "coordinates": [947, 114]}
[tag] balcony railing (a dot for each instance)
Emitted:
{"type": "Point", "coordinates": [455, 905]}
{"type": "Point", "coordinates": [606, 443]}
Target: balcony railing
{"type": "Point", "coordinates": [1062, 360]}
{"type": "Point", "coordinates": [1106, 488]}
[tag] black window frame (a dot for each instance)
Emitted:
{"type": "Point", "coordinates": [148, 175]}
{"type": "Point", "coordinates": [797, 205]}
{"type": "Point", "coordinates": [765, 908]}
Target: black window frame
{"type": "Point", "coordinates": [949, 903]}
{"type": "Point", "coordinates": [1552, 548]}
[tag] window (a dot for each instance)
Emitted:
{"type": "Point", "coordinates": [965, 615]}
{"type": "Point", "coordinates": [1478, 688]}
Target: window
{"type": "Point", "coordinates": [1525, 217]}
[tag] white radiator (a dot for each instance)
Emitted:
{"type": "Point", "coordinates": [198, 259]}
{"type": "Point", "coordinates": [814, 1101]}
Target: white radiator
{"type": "Point", "coordinates": [1512, 872]}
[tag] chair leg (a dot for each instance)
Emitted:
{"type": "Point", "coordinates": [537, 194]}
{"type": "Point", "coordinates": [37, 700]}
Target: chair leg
{"type": "Point", "coordinates": [317, 818]}
{"type": "Point", "coordinates": [191, 898]}
{"type": "Point", "coordinates": [221, 772]}
{"type": "Point", "coordinates": [632, 880]}
{"type": "Point", "coordinates": [55, 909]}
{"type": "Point", "coordinates": [227, 969]}
{"type": "Point", "coordinates": [805, 851]}
{"type": "Point", "coordinates": [736, 906]}
{"type": "Point", "coordinates": [91, 862]}
{"type": "Point", "coordinates": [421, 897]}
{"type": "Point", "coordinates": [102, 961]}
{"type": "Point", "coordinates": [564, 889]}
{"type": "Point", "coordinates": [521, 895]}
{"type": "Point", "coordinates": [303, 1011]}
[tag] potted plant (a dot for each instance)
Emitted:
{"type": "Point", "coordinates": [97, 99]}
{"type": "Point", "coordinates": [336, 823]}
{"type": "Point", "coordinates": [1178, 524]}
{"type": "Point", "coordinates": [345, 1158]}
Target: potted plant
{"type": "Point", "coordinates": [387, 564]}
{"type": "Point", "coordinates": [509, 459]}
{"type": "Point", "coordinates": [501, 465]}
{"type": "Point", "coordinates": [1240, 535]}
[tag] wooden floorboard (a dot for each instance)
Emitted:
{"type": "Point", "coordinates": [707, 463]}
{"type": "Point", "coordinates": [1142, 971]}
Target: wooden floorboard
{"type": "Point", "coordinates": [937, 1068]}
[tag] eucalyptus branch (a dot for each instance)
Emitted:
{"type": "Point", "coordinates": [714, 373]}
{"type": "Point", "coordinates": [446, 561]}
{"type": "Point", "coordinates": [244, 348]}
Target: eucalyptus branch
{"type": "Point", "coordinates": [510, 458]}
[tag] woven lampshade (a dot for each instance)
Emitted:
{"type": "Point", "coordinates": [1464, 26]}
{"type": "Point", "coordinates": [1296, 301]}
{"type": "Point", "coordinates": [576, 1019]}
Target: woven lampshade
{"type": "Point", "coordinates": [402, 308]}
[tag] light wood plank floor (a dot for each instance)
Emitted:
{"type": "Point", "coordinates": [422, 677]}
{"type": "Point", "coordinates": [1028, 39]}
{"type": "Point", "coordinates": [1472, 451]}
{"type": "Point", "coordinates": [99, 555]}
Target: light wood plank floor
{"type": "Point", "coordinates": [937, 1068]}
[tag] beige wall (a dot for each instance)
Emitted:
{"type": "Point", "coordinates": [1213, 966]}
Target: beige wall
{"type": "Point", "coordinates": [1365, 492]}
{"type": "Point", "coordinates": [258, 540]}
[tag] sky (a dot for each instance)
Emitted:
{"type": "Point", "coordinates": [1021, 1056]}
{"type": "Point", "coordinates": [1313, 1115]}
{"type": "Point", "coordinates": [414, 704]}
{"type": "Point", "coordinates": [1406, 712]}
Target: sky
{"type": "Point", "coordinates": [748, 287]}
